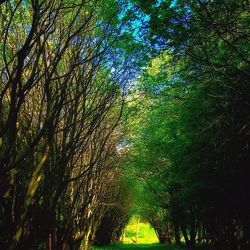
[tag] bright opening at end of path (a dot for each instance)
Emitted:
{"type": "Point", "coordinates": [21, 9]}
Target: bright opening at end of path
{"type": "Point", "coordinates": [139, 231]}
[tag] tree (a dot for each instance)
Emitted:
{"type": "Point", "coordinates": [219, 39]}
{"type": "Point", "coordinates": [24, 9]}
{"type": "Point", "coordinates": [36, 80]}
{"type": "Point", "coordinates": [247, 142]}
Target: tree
{"type": "Point", "coordinates": [204, 86]}
{"type": "Point", "coordinates": [60, 108]}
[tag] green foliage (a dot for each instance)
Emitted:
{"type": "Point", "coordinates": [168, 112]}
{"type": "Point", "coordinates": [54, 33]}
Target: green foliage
{"type": "Point", "coordinates": [81, 152]}
{"type": "Point", "coordinates": [190, 143]}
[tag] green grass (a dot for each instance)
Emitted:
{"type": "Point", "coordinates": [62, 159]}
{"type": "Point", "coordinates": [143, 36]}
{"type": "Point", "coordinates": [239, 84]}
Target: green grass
{"type": "Point", "coordinates": [146, 234]}
{"type": "Point", "coordinates": [139, 247]}
{"type": "Point", "coordinates": [147, 239]}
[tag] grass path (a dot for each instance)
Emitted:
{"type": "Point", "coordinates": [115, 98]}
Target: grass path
{"type": "Point", "coordinates": [140, 247]}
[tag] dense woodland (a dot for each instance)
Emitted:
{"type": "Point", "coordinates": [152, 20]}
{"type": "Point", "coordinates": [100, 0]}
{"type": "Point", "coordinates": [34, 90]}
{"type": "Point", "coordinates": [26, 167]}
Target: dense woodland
{"type": "Point", "coordinates": [110, 108]}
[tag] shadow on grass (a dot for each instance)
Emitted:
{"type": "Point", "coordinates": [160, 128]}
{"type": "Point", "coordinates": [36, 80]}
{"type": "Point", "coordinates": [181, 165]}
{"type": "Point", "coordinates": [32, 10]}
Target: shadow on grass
{"type": "Point", "coordinates": [140, 247]}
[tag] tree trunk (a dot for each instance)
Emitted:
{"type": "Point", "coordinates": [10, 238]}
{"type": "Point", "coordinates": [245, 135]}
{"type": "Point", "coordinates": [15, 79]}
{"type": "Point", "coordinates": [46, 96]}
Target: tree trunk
{"type": "Point", "coordinates": [137, 229]}
{"type": "Point", "coordinates": [177, 235]}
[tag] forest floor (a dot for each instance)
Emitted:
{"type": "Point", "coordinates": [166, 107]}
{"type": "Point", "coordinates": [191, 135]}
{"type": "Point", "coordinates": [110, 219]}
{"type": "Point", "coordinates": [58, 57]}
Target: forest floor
{"type": "Point", "coordinates": [156, 246]}
{"type": "Point", "coordinates": [146, 238]}
{"type": "Point", "coordinates": [140, 247]}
